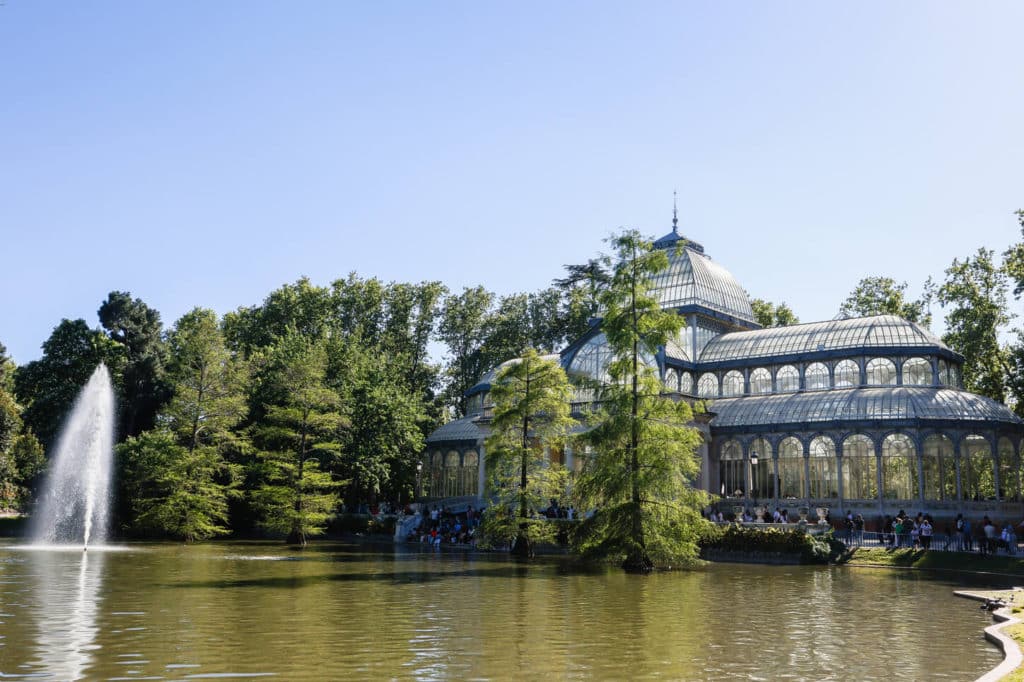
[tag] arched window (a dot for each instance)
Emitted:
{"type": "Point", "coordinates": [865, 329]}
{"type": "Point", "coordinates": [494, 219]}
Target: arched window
{"type": "Point", "coordinates": [816, 377]}
{"type": "Point", "coordinates": [917, 372]}
{"type": "Point", "coordinates": [1009, 471]}
{"type": "Point", "coordinates": [954, 376]}
{"type": "Point", "coordinates": [791, 469]}
{"type": "Point", "coordinates": [824, 476]}
{"type": "Point", "coordinates": [470, 468]}
{"type": "Point", "coordinates": [762, 474]}
{"type": "Point", "coordinates": [881, 372]}
{"type": "Point", "coordinates": [943, 373]}
{"type": "Point", "coordinates": [787, 379]}
{"type": "Point", "coordinates": [899, 468]}
{"type": "Point", "coordinates": [859, 468]}
{"type": "Point", "coordinates": [451, 474]}
{"type": "Point", "coordinates": [671, 380]}
{"type": "Point", "coordinates": [732, 384]}
{"type": "Point", "coordinates": [685, 383]}
{"type": "Point", "coordinates": [760, 381]}
{"type": "Point", "coordinates": [847, 374]}
{"type": "Point", "coordinates": [977, 469]}
{"type": "Point", "coordinates": [730, 469]}
{"type": "Point", "coordinates": [939, 468]}
{"type": "Point", "coordinates": [707, 387]}
{"type": "Point", "coordinates": [437, 475]}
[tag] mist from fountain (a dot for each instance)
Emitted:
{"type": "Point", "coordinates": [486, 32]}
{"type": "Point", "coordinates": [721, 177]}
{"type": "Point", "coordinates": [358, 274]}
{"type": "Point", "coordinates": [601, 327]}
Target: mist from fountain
{"type": "Point", "coordinates": [74, 507]}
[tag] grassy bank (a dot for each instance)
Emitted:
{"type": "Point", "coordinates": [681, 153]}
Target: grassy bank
{"type": "Point", "coordinates": [944, 561]}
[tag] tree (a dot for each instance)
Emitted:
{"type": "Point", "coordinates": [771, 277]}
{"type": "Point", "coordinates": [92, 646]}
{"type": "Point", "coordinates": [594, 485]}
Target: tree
{"type": "Point", "coordinates": [580, 290]}
{"type": "Point", "coordinates": [975, 291]}
{"type": "Point", "coordinates": [883, 296]}
{"type": "Point", "coordinates": [299, 433]}
{"type": "Point", "coordinates": [463, 329]}
{"type": "Point", "coordinates": [47, 387]}
{"type": "Point", "coordinates": [639, 479]}
{"type": "Point", "coordinates": [137, 328]}
{"type": "Point", "coordinates": [768, 314]}
{"type": "Point", "coordinates": [531, 412]}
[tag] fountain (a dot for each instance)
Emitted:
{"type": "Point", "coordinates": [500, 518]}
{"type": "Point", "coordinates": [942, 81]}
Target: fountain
{"type": "Point", "coordinates": [74, 506]}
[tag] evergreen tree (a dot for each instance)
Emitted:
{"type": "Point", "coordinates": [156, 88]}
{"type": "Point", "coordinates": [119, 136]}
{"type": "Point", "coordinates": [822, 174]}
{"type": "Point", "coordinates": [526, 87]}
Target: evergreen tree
{"type": "Point", "coordinates": [639, 479]}
{"type": "Point", "coordinates": [531, 412]}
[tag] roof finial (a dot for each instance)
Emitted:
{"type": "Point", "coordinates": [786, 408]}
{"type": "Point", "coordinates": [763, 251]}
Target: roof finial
{"type": "Point", "coordinates": [675, 214]}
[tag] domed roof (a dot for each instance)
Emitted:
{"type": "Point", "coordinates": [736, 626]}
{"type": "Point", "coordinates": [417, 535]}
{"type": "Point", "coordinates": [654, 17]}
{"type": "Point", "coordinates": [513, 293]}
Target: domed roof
{"type": "Point", "coordinates": [693, 279]}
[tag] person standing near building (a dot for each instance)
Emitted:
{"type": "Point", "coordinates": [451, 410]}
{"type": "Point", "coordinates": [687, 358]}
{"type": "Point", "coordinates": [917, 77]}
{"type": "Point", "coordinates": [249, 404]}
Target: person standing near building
{"type": "Point", "coordinates": [926, 533]}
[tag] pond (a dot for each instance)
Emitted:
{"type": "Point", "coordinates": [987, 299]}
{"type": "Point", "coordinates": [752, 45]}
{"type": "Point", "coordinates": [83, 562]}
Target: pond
{"type": "Point", "coordinates": [342, 611]}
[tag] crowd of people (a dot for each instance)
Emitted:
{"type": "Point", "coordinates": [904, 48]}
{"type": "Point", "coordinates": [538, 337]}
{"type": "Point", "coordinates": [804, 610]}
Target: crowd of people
{"type": "Point", "coordinates": [444, 527]}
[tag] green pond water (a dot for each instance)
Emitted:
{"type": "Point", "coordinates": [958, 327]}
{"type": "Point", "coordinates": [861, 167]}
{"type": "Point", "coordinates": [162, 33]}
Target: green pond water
{"type": "Point", "coordinates": [346, 612]}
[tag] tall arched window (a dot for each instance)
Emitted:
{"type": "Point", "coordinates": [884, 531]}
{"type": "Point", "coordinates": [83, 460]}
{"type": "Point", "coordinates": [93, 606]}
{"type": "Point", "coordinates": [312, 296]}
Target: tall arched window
{"type": "Point", "coordinates": [707, 387]}
{"type": "Point", "coordinates": [939, 468]}
{"type": "Point", "coordinates": [787, 379]}
{"type": "Point", "coordinates": [762, 474]}
{"type": "Point", "coordinates": [730, 469]}
{"type": "Point", "coordinates": [859, 468]}
{"type": "Point", "coordinates": [954, 376]}
{"type": "Point", "coordinates": [791, 469]}
{"type": "Point", "coordinates": [437, 475]}
{"type": "Point", "coordinates": [470, 468]}
{"type": "Point", "coordinates": [824, 480]}
{"type": "Point", "coordinates": [1009, 471]}
{"type": "Point", "coordinates": [760, 381]}
{"type": "Point", "coordinates": [847, 374]}
{"type": "Point", "coordinates": [881, 372]}
{"type": "Point", "coordinates": [671, 381]}
{"type": "Point", "coordinates": [732, 384]}
{"type": "Point", "coordinates": [917, 372]}
{"type": "Point", "coordinates": [899, 467]}
{"type": "Point", "coordinates": [816, 377]}
{"type": "Point", "coordinates": [943, 372]}
{"type": "Point", "coordinates": [977, 469]}
{"type": "Point", "coordinates": [685, 383]}
{"type": "Point", "coordinates": [451, 474]}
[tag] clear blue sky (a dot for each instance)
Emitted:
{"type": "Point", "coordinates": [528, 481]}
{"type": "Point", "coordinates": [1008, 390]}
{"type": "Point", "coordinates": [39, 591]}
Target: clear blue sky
{"type": "Point", "coordinates": [204, 153]}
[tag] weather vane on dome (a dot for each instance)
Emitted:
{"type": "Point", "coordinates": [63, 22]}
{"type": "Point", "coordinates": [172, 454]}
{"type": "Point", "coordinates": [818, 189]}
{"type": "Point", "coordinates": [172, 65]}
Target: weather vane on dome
{"type": "Point", "coordinates": [675, 214]}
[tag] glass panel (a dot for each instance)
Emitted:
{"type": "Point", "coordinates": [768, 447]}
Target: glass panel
{"type": "Point", "coordinates": [761, 474]}
{"type": "Point", "coordinates": [760, 381]}
{"type": "Point", "coordinates": [824, 481]}
{"type": "Point", "coordinates": [977, 469]}
{"type": "Point", "coordinates": [732, 384]}
{"type": "Point", "coordinates": [917, 372]}
{"type": "Point", "coordinates": [859, 467]}
{"type": "Point", "coordinates": [939, 468]}
{"type": "Point", "coordinates": [730, 469]}
{"type": "Point", "coordinates": [899, 468]}
{"type": "Point", "coordinates": [1009, 471]}
{"type": "Point", "coordinates": [943, 373]}
{"type": "Point", "coordinates": [816, 377]}
{"type": "Point", "coordinates": [787, 379]}
{"type": "Point", "coordinates": [881, 372]}
{"type": "Point", "coordinates": [847, 374]}
{"type": "Point", "coordinates": [685, 383]}
{"type": "Point", "coordinates": [470, 482]}
{"type": "Point", "coordinates": [707, 387]}
{"type": "Point", "coordinates": [671, 381]}
{"type": "Point", "coordinates": [791, 469]}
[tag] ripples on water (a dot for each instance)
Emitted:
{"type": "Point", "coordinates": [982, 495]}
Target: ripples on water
{"type": "Point", "coordinates": [339, 612]}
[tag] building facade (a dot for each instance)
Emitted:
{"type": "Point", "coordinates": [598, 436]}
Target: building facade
{"type": "Point", "coordinates": [864, 414]}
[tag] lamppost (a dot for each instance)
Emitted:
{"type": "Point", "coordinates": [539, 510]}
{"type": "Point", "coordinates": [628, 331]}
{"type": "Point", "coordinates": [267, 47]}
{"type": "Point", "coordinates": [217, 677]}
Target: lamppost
{"type": "Point", "coordinates": [753, 475]}
{"type": "Point", "coordinates": [419, 478]}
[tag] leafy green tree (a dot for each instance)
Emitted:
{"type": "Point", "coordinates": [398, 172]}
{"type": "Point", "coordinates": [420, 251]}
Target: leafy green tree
{"type": "Point", "coordinates": [176, 490]}
{"type": "Point", "coordinates": [30, 464]}
{"type": "Point", "coordinates": [6, 371]}
{"type": "Point", "coordinates": [884, 296]}
{"type": "Point", "coordinates": [47, 387]}
{"type": "Point", "coordinates": [531, 411]}
{"type": "Point", "coordinates": [639, 478]}
{"type": "Point", "coordinates": [137, 329]}
{"type": "Point", "coordinates": [975, 291]}
{"type": "Point", "coordinates": [1013, 261]}
{"type": "Point", "coordinates": [299, 433]}
{"type": "Point", "coordinates": [293, 308]}
{"type": "Point", "coordinates": [768, 314]}
{"type": "Point", "coordinates": [580, 290]}
{"type": "Point", "coordinates": [463, 329]}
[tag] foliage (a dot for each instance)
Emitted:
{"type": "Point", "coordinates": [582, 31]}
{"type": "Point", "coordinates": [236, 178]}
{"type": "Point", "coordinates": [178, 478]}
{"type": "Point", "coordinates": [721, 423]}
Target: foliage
{"type": "Point", "coordinates": [768, 314]}
{"type": "Point", "coordinates": [462, 329]}
{"type": "Point", "coordinates": [531, 413]}
{"type": "Point", "coordinates": [884, 296]}
{"type": "Point", "coordinates": [639, 479]}
{"type": "Point", "coordinates": [299, 433]}
{"type": "Point", "coordinates": [47, 387]}
{"type": "Point", "coordinates": [975, 292]}
{"type": "Point", "coordinates": [137, 329]}
{"type": "Point", "coordinates": [175, 490]}
{"type": "Point", "coordinates": [736, 538]}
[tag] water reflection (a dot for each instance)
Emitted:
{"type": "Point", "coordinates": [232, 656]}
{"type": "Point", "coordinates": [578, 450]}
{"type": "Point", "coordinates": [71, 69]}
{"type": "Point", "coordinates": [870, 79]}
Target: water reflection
{"type": "Point", "coordinates": [66, 590]}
